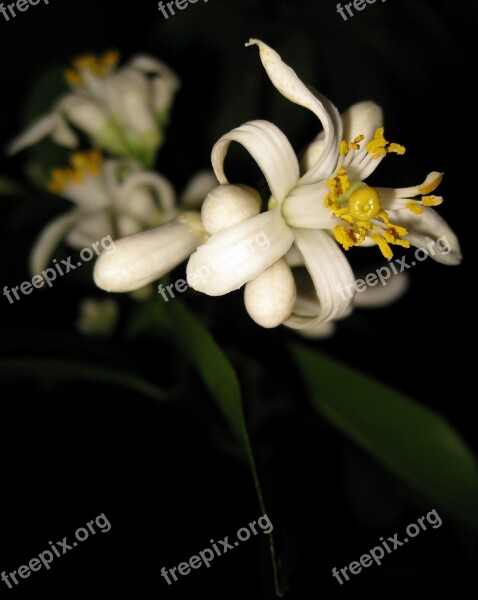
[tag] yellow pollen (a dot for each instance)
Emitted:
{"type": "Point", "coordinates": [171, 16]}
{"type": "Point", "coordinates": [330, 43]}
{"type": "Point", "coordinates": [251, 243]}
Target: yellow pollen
{"type": "Point", "coordinates": [344, 148]}
{"type": "Point", "coordinates": [432, 200]}
{"type": "Point", "coordinates": [99, 66]}
{"type": "Point", "coordinates": [379, 146]}
{"type": "Point", "coordinates": [364, 203]}
{"type": "Point", "coordinates": [82, 164]}
{"type": "Point", "coordinates": [416, 209]}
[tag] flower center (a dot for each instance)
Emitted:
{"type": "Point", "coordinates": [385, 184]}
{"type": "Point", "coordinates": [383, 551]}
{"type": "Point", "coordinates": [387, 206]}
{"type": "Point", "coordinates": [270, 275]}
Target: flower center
{"type": "Point", "coordinates": [82, 164]}
{"type": "Point", "coordinates": [100, 66]}
{"type": "Point", "coordinates": [364, 203]}
{"type": "Point", "coordinates": [357, 205]}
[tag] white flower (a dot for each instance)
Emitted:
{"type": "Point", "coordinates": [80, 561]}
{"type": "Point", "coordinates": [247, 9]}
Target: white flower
{"type": "Point", "coordinates": [111, 197]}
{"type": "Point", "coordinates": [123, 110]}
{"type": "Point", "coordinates": [309, 215]}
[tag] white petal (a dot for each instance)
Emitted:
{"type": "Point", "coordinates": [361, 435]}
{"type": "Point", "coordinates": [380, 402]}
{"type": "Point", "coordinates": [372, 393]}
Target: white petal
{"type": "Point", "coordinates": [363, 118]}
{"type": "Point", "coordinates": [49, 239]}
{"type": "Point", "coordinates": [239, 253]}
{"type": "Point", "coordinates": [319, 332]}
{"type": "Point", "coordinates": [227, 205]}
{"type": "Point", "coordinates": [198, 188]}
{"type": "Point", "coordinates": [330, 273]}
{"type": "Point", "coordinates": [91, 228]}
{"type": "Point", "coordinates": [430, 232]}
{"type": "Point", "coordinates": [290, 86]}
{"type": "Point", "coordinates": [304, 207]}
{"type": "Point", "coordinates": [37, 131]}
{"type": "Point", "coordinates": [271, 150]}
{"type": "Point", "coordinates": [62, 134]}
{"type": "Point", "coordinates": [164, 85]}
{"type": "Point", "coordinates": [379, 294]}
{"type": "Point", "coordinates": [162, 189]}
{"type": "Point", "coordinates": [143, 257]}
{"type": "Point", "coordinates": [270, 297]}
{"type": "Point", "coordinates": [87, 115]}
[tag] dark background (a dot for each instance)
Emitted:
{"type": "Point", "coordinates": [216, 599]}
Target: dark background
{"type": "Point", "coordinates": [168, 477]}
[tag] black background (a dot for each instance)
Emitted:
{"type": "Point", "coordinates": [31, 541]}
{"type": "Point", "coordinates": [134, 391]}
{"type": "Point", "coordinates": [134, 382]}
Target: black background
{"type": "Point", "coordinates": [167, 477]}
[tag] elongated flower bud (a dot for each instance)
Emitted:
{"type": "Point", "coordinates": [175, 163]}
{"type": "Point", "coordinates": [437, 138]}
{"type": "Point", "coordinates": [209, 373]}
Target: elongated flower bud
{"type": "Point", "coordinates": [144, 257]}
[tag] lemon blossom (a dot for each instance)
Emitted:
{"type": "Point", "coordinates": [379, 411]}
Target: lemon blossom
{"type": "Point", "coordinates": [311, 217]}
{"type": "Point", "coordinates": [111, 197]}
{"type": "Point", "coordinates": [122, 110]}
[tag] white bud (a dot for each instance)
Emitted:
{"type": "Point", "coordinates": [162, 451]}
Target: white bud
{"type": "Point", "coordinates": [270, 297]}
{"type": "Point", "coordinates": [143, 257]}
{"type": "Point", "coordinates": [227, 205]}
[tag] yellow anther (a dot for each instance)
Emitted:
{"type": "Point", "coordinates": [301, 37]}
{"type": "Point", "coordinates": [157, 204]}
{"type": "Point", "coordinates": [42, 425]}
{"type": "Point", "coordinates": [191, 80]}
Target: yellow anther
{"type": "Point", "coordinates": [431, 183]}
{"type": "Point", "coordinates": [432, 200]}
{"type": "Point", "coordinates": [344, 148]}
{"type": "Point", "coordinates": [416, 209]}
{"type": "Point", "coordinates": [383, 245]}
{"type": "Point", "coordinates": [364, 203]}
{"type": "Point", "coordinates": [99, 66]}
{"type": "Point", "coordinates": [397, 148]}
{"type": "Point", "coordinates": [82, 164]}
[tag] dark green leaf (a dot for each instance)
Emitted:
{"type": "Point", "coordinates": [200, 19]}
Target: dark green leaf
{"type": "Point", "coordinates": [412, 441]}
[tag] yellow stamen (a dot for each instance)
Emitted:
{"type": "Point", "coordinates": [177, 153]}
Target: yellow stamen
{"type": "Point", "coordinates": [397, 148]}
{"type": "Point", "coordinates": [383, 245]}
{"type": "Point", "coordinates": [431, 183]}
{"type": "Point", "coordinates": [432, 200]}
{"type": "Point", "coordinates": [416, 209]}
{"type": "Point", "coordinates": [344, 148]}
{"type": "Point", "coordinates": [82, 164]}
{"type": "Point", "coordinates": [379, 146]}
{"type": "Point", "coordinates": [100, 66]}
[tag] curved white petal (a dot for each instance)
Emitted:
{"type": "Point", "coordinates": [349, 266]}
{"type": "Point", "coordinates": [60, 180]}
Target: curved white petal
{"type": "Point", "coordinates": [49, 239]}
{"type": "Point", "coordinates": [37, 131]}
{"type": "Point", "coordinates": [289, 85]}
{"type": "Point", "coordinates": [239, 253]}
{"type": "Point", "coordinates": [304, 207]}
{"type": "Point", "coordinates": [198, 188]}
{"type": "Point", "coordinates": [143, 257]}
{"type": "Point", "coordinates": [270, 297]}
{"type": "Point", "coordinates": [153, 66]}
{"type": "Point", "coordinates": [379, 295]}
{"type": "Point", "coordinates": [271, 150]}
{"type": "Point", "coordinates": [430, 232]}
{"type": "Point", "coordinates": [330, 273]}
{"type": "Point", "coordinates": [159, 185]}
